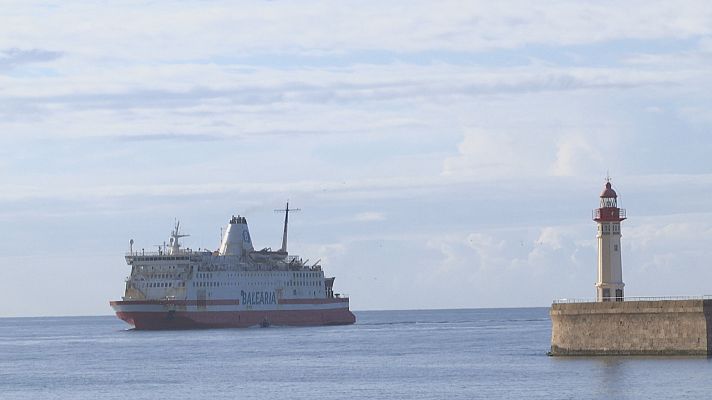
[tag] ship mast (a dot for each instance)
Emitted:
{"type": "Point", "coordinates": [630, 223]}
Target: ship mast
{"type": "Point", "coordinates": [175, 235]}
{"type": "Point", "coordinates": [286, 211]}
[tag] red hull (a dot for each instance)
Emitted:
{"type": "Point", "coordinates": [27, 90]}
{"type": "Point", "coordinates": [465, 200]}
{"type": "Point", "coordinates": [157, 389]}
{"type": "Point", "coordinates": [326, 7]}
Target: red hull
{"type": "Point", "coordinates": [235, 319]}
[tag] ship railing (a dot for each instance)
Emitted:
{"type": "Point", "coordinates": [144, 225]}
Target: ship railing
{"type": "Point", "coordinates": [183, 252]}
{"type": "Point", "coordinates": [631, 298]}
{"type": "Point", "coordinates": [156, 256]}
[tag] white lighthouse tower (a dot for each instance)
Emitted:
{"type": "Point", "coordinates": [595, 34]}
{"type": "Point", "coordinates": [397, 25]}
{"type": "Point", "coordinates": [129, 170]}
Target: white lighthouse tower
{"type": "Point", "coordinates": [608, 216]}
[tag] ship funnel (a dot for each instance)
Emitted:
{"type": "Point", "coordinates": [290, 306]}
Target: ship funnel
{"type": "Point", "coordinates": [236, 240]}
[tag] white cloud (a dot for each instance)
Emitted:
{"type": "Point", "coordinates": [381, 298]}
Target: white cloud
{"type": "Point", "coordinates": [509, 266]}
{"type": "Point", "coordinates": [668, 255]}
{"type": "Point", "coordinates": [370, 216]}
{"type": "Point", "coordinates": [576, 155]}
{"type": "Point", "coordinates": [486, 155]}
{"type": "Point", "coordinates": [550, 237]}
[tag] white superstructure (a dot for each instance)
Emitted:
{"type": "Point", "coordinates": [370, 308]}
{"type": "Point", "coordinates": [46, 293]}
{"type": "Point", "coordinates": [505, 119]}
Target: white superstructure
{"type": "Point", "coordinates": [256, 276]}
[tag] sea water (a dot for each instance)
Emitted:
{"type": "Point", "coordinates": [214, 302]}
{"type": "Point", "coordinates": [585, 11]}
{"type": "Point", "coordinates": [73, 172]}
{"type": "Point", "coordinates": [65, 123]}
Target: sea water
{"type": "Point", "coordinates": [439, 354]}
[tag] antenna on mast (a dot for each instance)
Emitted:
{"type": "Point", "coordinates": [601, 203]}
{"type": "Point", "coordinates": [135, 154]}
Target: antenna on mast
{"type": "Point", "coordinates": [175, 235]}
{"type": "Point", "coordinates": [286, 211]}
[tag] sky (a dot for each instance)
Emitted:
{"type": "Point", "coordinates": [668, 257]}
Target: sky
{"type": "Point", "coordinates": [443, 154]}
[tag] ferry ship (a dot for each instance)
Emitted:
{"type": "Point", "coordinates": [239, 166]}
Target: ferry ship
{"type": "Point", "coordinates": [235, 286]}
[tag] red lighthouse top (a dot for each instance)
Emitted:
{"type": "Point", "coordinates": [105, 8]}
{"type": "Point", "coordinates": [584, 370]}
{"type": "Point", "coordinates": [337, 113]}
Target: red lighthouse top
{"type": "Point", "coordinates": [608, 210]}
{"type": "Point", "coordinates": [608, 192]}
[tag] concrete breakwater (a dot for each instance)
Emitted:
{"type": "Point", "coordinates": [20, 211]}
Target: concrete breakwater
{"type": "Point", "coordinates": [660, 327]}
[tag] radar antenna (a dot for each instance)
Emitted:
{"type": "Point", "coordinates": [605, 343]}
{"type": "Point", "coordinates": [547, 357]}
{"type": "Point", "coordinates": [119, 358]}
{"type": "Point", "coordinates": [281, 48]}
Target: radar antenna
{"type": "Point", "coordinates": [286, 211]}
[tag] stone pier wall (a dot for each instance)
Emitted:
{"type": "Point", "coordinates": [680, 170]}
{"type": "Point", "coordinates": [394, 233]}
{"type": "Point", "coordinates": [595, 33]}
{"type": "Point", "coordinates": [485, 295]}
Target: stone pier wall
{"type": "Point", "coordinates": [663, 327]}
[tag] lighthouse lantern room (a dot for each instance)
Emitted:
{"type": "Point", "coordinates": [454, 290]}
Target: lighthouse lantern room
{"type": "Point", "coordinates": [608, 216]}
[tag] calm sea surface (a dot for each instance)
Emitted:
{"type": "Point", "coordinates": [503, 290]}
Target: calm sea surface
{"type": "Point", "coordinates": [443, 354]}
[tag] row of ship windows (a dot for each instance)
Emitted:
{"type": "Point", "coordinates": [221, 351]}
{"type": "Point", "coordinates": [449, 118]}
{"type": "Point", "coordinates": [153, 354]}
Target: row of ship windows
{"type": "Point", "coordinates": [223, 284]}
{"type": "Point", "coordinates": [156, 285]}
{"type": "Point", "coordinates": [308, 274]}
{"type": "Point", "coordinates": [207, 284]}
{"type": "Point", "coordinates": [195, 284]}
{"type": "Point", "coordinates": [164, 276]}
{"type": "Point", "coordinates": [219, 284]}
{"type": "Point", "coordinates": [208, 275]}
{"type": "Point", "coordinates": [212, 284]}
{"type": "Point", "coordinates": [245, 274]}
{"type": "Point", "coordinates": [301, 283]}
{"type": "Point", "coordinates": [161, 267]}
{"type": "Point", "coordinates": [142, 258]}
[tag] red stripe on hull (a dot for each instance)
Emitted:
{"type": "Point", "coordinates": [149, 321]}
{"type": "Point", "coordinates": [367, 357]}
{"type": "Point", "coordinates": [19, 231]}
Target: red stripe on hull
{"type": "Point", "coordinates": [235, 319]}
{"type": "Point", "coordinates": [314, 301]}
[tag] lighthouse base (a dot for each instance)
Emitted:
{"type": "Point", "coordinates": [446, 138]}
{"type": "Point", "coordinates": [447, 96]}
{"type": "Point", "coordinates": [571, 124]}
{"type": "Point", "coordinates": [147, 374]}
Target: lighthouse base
{"type": "Point", "coordinates": [661, 327]}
